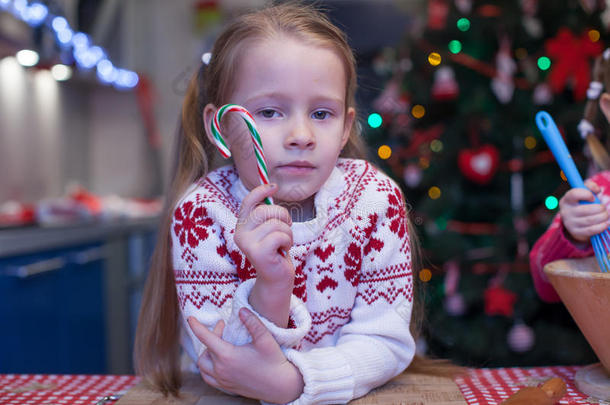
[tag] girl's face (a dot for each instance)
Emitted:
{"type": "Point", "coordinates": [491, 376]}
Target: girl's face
{"type": "Point", "coordinates": [296, 93]}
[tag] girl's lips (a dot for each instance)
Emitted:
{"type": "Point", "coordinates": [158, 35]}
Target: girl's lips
{"type": "Point", "coordinates": [296, 167]}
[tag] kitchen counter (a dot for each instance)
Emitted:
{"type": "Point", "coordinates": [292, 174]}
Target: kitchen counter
{"type": "Point", "coordinates": [17, 241]}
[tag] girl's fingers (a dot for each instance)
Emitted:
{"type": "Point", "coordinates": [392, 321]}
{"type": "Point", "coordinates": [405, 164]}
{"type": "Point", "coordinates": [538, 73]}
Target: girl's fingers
{"type": "Point", "coordinates": [261, 337]}
{"type": "Point", "coordinates": [254, 198]}
{"type": "Point", "coordinates": [584, 234]}
{"type": "Point", "coordinates": [220, 326]}
{"type": "Point", "coordinates": [587, 226]}
{"type": "Point", "coordinates": [597, 222]}
{"type": "Point", "coordinates": [263, 213]}
{"type": "Point", "coordinates": [589, 212]}
{"type": "Point", "coordinates": [205, 363]}
{"type": "Point", "coordinates": [591, 185]}
{"type": "Point", "coordinates": [275, 241]}
{"type": "Point", "coordinates": [209, 380]}
{"type": "Point", "coordinates": [575, 195]}
{"type": "Point", "coordinates": [205, 336]}
{"type": "Point", "coordinates": [269, 227]}
{"type": "Point", "coordinates": [596, 229]}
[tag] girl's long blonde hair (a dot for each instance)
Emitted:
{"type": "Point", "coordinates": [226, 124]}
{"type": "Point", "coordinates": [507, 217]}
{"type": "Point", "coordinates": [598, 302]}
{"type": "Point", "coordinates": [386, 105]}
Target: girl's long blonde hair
{"type": "Point", "coordinates": [157, 349]}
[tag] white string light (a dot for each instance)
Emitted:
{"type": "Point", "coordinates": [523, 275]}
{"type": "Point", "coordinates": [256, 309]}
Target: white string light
{"type": "Point", "coordinates": [61, 72]}
{"type": "Point", "coordinates": [27, 57]}
{"type": "Point", "coordinates": [86, 54]}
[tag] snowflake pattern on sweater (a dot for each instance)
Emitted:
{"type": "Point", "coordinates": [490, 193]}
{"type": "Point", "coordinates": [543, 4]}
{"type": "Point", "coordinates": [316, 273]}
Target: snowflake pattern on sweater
{"type": "Point", "coordinates": [353, 290]}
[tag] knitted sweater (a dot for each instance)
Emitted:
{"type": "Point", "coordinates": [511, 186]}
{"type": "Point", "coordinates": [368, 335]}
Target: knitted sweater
{"type": "Point", "coordinates": [554, 245]}
{"type": "Point", "coordinates": [352, 299]}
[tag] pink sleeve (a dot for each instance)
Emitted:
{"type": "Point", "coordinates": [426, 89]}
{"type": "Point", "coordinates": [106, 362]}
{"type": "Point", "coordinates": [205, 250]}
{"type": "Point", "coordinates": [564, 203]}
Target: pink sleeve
{"type": "Point", "coordinates": [554, 245]}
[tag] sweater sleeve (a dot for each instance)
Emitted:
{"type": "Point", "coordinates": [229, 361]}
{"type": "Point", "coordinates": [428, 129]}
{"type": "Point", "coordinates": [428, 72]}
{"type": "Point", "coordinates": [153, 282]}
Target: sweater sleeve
{"type": "Point", "coordinates": [376, 344]}
{"type": "Point", "coordinates": [553, 245]}
{"type": "Point", "coordinates": [206, 271]}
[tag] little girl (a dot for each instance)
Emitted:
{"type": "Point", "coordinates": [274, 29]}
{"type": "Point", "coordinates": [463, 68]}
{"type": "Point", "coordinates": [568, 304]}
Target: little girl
{"type": "Point", "coordinates": [569, 234]}
{"type": "Point", "coordinates": [306, 301]}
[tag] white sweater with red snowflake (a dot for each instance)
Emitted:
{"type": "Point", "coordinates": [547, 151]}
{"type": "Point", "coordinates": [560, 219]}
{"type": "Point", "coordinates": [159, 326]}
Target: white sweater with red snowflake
{"type": "Point", "coordinates": [353, 293]}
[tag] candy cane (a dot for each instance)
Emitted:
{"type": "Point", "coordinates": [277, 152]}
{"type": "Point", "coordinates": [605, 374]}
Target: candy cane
{"type": "Point", "coordinates": [256, 139]}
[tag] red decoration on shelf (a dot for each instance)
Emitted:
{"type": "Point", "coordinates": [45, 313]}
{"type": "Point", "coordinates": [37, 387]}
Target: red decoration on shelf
{"type": "Point", "coordinates": [499, 301]}
{"type": "Point", "coordinates": [480, 164]}
{"type": "Point", "coordinates": [90, 201]}
{"type": "Point", "coordinates": [13, 213]}
{"type": "Point", "coordinates": [570, 56]}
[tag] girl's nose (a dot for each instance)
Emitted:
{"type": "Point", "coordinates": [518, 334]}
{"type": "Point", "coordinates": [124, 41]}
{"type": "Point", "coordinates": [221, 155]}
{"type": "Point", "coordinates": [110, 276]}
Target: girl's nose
{"type": "Point", "coordinates": [301, 136]}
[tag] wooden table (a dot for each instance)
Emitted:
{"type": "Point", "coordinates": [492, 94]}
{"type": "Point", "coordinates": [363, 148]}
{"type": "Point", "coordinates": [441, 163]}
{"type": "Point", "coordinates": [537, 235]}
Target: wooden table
{"type": "Point", "coordinates": [477, 387]}
{"type": "Point", "coordinates": [407, 389]}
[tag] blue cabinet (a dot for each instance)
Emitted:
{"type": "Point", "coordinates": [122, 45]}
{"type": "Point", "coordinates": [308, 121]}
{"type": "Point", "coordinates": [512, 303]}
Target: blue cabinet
{"type": "Point", "coordinates": [52, 311]}
{"type": "Point", "coordinates": [69, 296]}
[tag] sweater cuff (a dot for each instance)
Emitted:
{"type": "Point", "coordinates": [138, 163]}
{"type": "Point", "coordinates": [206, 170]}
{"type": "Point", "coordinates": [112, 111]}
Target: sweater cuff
{"type": "Point", "coordinates": [556, 247]}
{"type": "Point", "coordinates": [564, 247]}
{"type": "Point", "coordinates": [327, 376]}
{"type": "Point", "coordinates": [236, 333]}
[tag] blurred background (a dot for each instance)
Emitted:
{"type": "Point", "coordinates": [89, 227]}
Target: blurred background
{"type": "Point", "coordinates": [90, 95]}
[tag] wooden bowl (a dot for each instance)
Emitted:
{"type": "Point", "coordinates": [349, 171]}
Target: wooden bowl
{"type": "Point", "coordinates": [585, 291]}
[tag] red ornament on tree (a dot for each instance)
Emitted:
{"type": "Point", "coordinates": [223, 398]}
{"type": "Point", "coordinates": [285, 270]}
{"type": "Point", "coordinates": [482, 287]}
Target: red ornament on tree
{"type": "Point", "coordinates": [437, 14]}
{"type": "Point", "coordinates": [480, 164]}
{"type": "Point", "coordinates": [445, 87]}
{"type": "Point", "coordinates": [570, 57]}
{"type": "Point", "coordinates": [499, 301]}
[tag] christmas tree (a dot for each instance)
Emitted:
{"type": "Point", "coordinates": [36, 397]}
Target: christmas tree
{"type": "Point", "coordinates": [454, 125]}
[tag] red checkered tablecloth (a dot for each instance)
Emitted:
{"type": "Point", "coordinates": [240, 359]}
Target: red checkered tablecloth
{"type": "Point", "coordinates": [49, 389]}
{"type": "Point", "coordinates": [485, 386]}
{"type": "Point", "coordinates": [493, 385]}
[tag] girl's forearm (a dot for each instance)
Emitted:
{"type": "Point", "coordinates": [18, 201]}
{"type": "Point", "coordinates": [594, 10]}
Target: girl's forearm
{"type": "Point", "coordinates": [288, 386]}
{"type": "Point", "coordinates": [272, 301]}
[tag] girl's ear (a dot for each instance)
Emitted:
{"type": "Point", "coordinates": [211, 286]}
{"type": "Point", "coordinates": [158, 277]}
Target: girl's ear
{"type": "Point", "coordinates": [350, 116]}
{"type": "Point", "coordinates": [604, 104]}
{"type": "Point", "coordinates": [208, 115]}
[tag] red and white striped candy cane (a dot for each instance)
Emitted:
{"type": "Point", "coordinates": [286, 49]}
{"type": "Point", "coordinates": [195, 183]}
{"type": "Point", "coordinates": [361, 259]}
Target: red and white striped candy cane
{"type": "Point", "coordinates": [256, 139]}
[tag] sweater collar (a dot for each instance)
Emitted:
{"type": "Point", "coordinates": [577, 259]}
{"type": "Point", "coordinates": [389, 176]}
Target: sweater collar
{"type": "Point", "coordinates": [304, 232]}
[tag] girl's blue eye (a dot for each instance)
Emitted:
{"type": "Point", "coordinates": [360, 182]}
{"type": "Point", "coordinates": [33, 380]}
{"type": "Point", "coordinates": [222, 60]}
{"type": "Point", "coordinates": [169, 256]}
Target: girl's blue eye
{"type": "Point", "coordinates": [268, 113]}
{"type": "Point", "coordinates": [320, 115]}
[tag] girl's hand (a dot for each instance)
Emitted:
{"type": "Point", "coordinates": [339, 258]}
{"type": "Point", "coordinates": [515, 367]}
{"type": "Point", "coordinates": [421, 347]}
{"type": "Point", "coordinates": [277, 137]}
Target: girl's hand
{"type": "Point", "coordinates": [257, 370]}
{"type": "Point", "coordinates": [263, 233]}
{"type": "Point", "coordinates": [583, 220]}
